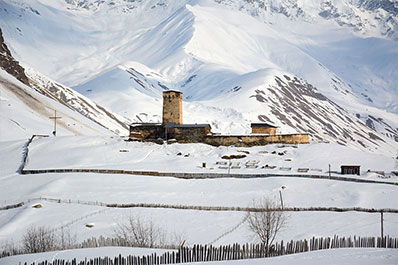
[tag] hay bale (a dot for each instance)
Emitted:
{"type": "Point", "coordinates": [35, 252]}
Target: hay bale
{"type": "Point", "coordinates": [233, 157]}
{"type": "Point", "coordinates": [123, 151]}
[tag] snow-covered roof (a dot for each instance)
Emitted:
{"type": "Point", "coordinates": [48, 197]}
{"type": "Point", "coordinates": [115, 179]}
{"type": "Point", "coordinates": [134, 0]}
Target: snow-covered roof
{"type": "Point", "coordinates": [174, 125]}
{"type": "Point", "coordinates": [145, 124]}
{"type": "Point", "coordinates": [175, 91]}
{"type": "Point", "coordinates": [263, 124]}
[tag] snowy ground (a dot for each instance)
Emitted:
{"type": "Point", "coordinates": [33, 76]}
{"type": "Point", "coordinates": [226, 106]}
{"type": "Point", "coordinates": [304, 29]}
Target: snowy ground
{"type": "Point", "coordinates": [115, 153]}
{"type": "Point", "coordinates": [80, 254]}
{"type": "Point", "coordinates": [194, 226]}
{"type": "Point", "coordinates": [326, 257]}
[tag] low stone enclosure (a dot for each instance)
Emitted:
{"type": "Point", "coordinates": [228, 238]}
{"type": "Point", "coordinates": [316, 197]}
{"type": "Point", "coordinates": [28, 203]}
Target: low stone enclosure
{"type": "Point", "coordinates": [255, 140]}
{"type": "Point", "coordinates": [186, 135]}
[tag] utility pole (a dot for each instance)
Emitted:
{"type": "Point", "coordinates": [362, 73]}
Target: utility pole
{"type": "Point", "coordinates": [55, 122]}
{"type": "Point", "coordinates": [329, 171]}
{"type": "Point", "coordinates": [280, 195]}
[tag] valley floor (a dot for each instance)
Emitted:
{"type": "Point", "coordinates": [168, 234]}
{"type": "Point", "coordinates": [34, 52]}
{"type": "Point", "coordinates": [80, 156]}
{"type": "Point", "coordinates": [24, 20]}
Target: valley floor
{"type": "Point", "coordinates": [196, 227]}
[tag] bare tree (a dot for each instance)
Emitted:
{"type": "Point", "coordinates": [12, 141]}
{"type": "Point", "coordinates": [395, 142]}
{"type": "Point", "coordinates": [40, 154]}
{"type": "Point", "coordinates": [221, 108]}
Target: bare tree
{"type": "Point", "coordinates": [266, 221]}
{"type": "Point", "coordinates": [39, 239]}
{"type": "Point", "coordinates": [67, 240]}
{"type": "Point", "coordinates": [144, 233]}
{"type": "Point", "coordinates": [137, 232]}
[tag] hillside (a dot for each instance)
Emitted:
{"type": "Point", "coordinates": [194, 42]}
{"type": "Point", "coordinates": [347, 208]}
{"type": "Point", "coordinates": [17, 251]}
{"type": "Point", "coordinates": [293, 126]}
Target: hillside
{"type": "Point", "coordinates": [29, 99]}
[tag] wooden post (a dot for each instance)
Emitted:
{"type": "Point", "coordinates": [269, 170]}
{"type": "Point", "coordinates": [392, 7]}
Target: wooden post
{"type": "Point", "coordinates": [55, 122]}
{"type": "Point", "coordinates": [329, 170]}
{"type": "Point", "coordinates": [381, 225]}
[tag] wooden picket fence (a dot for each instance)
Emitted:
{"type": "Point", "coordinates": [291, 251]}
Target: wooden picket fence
{"type": "Point", "coordinates": [203, 253]}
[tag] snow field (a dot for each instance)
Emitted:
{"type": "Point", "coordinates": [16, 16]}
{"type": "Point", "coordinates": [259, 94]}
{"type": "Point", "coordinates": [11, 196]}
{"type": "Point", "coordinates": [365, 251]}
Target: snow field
{"type": "Point", "coordinates": [115, 153]}
{"type": "Point", "coordinates": [80, 254]}
{"type": "Point", "coordinates": [326, 257]}
{"type": "Point", "coordinates": [196, 226]}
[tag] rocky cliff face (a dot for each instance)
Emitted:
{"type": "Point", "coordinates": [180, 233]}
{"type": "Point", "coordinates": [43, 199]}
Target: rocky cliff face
{"type": "Point", "coordinates": [9, 64]}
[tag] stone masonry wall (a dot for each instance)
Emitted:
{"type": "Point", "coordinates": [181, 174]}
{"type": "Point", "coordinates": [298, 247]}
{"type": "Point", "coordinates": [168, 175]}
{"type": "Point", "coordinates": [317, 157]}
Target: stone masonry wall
{"type": "Point", "coordinates": [253, 140]}
{"type": "Point", "coordinates": [263, 130]}
{"type": "Point", "coordinates": [191, 134]}
{"type": "Point", "coordinates": [147, 132]}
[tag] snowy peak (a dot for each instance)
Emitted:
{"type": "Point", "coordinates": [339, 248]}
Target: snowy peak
{"type": "Point", "coordinates": [371, 18]}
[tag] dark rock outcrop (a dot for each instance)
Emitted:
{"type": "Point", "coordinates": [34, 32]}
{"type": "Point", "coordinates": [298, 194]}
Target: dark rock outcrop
{"type": "Point", "coordinates": [9, 64]}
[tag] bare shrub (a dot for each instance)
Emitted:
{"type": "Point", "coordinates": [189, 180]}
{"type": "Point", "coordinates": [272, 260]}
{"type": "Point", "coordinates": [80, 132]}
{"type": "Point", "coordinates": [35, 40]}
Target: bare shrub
{"type": "Point", "coordinates": [39, 239]}
{"type": "Point", "coordinates": [9, 248]}
{"type": "Point", "coordinates": [267, 221]}
{"type": "Point", "coordinates": [67, 240]}
{"type": "Point", "coordinates": [144, 233]}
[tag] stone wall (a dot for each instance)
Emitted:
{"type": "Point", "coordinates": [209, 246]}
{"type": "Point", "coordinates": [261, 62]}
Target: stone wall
{"type": "Point", "coordinates": [189, 134]}
{"type": "Point", "coordinates": [172, 107]}
{"type": "Point", "coordinates": [263, 130]}
{"type": "Point", "coordinates": [256, 140]}
{"type": "Point", "coordinates": [147, 131]}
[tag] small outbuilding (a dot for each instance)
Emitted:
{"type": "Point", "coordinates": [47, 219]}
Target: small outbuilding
{"type": "Point", "coordinates": [263, 128]}
{"type": "Point", "coordinates": [350, 170]}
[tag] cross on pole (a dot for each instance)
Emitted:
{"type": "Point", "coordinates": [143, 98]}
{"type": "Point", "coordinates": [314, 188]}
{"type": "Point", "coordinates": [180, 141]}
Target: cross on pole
{"type": "Point", "coordinates": [55, 122]}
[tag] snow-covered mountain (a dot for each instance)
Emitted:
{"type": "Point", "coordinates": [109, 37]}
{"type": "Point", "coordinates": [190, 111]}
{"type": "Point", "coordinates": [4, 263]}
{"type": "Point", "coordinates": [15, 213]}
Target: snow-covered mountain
{"type": "Point", "coordinates": [324, 67]}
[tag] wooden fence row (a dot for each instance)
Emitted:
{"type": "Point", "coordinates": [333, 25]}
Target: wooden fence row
{"type": "Point", "coordinates": [203, 253]}
{"type": "Point", "coordinates": [202, 208]}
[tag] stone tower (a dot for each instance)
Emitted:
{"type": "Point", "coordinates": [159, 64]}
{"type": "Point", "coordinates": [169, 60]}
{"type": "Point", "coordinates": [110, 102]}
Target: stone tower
{"type": "Point", "coordinates": [172, 107]}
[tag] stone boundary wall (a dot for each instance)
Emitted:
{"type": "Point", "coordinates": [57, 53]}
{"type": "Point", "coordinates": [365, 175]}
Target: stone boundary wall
{"type": "Point", "coordinates": [199, 175]}
{"type": "Point", "coordinates": [25, 152]}
{"type": "Point", "coordinates": [256, 140]}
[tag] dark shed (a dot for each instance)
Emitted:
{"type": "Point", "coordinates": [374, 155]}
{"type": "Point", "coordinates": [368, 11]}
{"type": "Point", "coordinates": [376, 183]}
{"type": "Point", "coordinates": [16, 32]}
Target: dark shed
{"type": "Point", "coordinates": [350, 170]}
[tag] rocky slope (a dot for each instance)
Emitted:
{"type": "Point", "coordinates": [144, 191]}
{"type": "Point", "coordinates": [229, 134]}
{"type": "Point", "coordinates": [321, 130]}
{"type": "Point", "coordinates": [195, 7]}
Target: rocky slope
{"type": "Point", "coordinates": [9, 64]}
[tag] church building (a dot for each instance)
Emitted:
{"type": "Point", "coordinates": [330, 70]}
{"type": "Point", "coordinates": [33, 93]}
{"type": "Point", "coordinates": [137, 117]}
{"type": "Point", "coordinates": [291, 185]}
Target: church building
{"type": "Point", "coordinates": [173, 128]}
